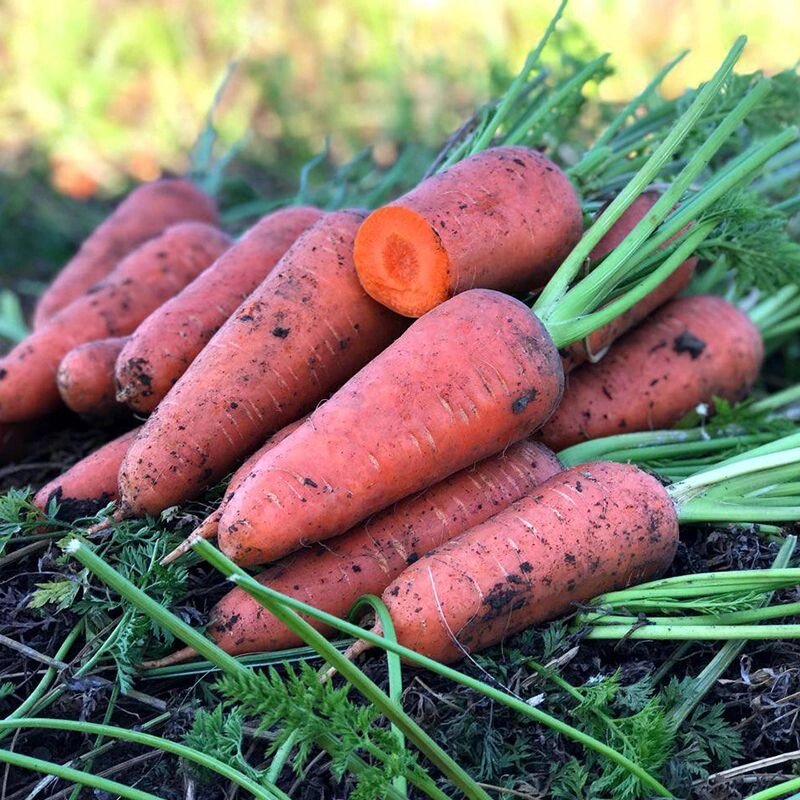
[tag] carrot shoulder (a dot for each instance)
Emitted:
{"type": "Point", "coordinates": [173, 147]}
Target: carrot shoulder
{"type": "Point", "coordinates": [305, 330]}
{"type": "Point", "coordinates": [688, 352]}
{"type": "Point", "coordinates": [583, 532]}
{"type": "Point", "coordinates": [88, 486]}
{"type": "Point", "coordinates": [144, 213]}
{"type": "Point", "coordinates": [114, 307]}
{"type": "Point", "coordinates": [503, 219]}
{"type": "Point", "coordinates": [468, 379]}
{"type": "Point", "coordinates": [163, 346]}
{"type": "Point", "coordinates": [85, 377]}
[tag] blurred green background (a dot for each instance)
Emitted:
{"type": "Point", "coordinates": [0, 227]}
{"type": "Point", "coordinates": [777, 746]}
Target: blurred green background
{"type": "Point", "coordinates": [97, 94]}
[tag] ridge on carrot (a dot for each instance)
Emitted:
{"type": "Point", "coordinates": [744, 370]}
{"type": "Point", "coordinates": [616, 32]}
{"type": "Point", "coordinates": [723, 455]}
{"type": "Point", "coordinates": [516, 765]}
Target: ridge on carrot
{"type": "Point", "coordinates": [480, 371]}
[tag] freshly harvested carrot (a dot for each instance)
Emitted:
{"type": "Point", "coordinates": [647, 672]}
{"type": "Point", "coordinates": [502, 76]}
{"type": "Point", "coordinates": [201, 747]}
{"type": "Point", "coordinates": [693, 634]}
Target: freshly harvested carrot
{"type": "Point", "coordinates": [501, 219]}
{"type": "Point", "coordinates": [207, 529]}
{"type": "Point", "coordinates": [595, 345]}
{"type": "Point", "coordinates": [85, 377]}
{"type": "Point", "coordinates": [584, 531]}
{"type": "Point", "coordinates": [144, 213]}
{"type": "Point", "coordinates": [688, 352]}
{"type": "Point", "coordinates": [164, 345]}
{"type": "Point", "coordinates": [89, 485]}
{"type": "Point", "coordinates": [468, 379]}
{"type": "Point", "coordinates": [365, 560]}
{"type": "Point", "coordinates": [304, 331]}
{"type": "Point", "coordinates": [114, 307]}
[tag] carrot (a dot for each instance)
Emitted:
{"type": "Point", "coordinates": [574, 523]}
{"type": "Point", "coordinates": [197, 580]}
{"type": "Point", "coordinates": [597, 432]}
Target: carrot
{"type": "Point", "coordinates": [114, 307]}
{"type": "Point", "coordinates": [584, 531]}
{"type": "Point", "coordinates": [207, 529]}
{"type": "Point", "coordinates": [164, 345]}
{"type": "Point", "coordinates": [365, 560]}
{"type": "Point", "coordinates": [144, 213]}
{"type": "Point", "coordinates": [688, 352]}
{"type": "Point", "coordinates": [501, 219]}
{"type": "Point", "coordinates": [85, 377]}
{"type": "Point", "coordinates": [595, 345]}
{"type": "Point", "coordinates": [468, 379]}
{"type": "Point", "coordinates": [88, 486]}
{"type": "Point", "coordinates": [306, 329]}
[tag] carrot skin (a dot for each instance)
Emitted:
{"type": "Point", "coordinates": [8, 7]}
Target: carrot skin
{"type": "Point", "coordinates": [596, 343]}
{"type": "Point", "coordinates": [585, 531]}
{"type": "Point", "coordinates": [114, 307]}
{"type": "Point", "coordinates": [145, 213]}
{"type": "Point", "coordinates": [89, 485]}
{"type": "Point", "coordinates": [305, 330]}
{"type": "Point", "coordinates": [688, 352]}
{"type": "Point", "coordinates": [85, 378]}
{"type": "Point", "coordinates": [163, 346]}
{"type": "Point", "coordinates": [468, 379]}
{"type": "Point", "coordinates": [502, 219]}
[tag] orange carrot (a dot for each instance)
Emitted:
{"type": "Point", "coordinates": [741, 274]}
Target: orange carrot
{"type": "Point", "coordinates": [585, 531]}
{"type": "Point", "coordinates": [88, 486]}
{"type": "Point", "coordinates": [207, 529]}
{"type": "Point", "coordinates": [594, 346]}
{"type": "Point", "coordinates": [114, 307]}
{"type": "Point", "coordinates": [85, 377]}
{"type": "Point", "coordinates": [143, 214]}
{"type": "Point", "coordinates": [468, 379]}
{"type": "Point", "coordinates": [692, 349]}
{"type": "Point", "coordinates": [164, 345]}
{"type": "Point", "coordinates": [306, 329]}
{"type": "Point", "coordinates": [504, 219]}
{"type": "Point", "coordinates": [365, 560]}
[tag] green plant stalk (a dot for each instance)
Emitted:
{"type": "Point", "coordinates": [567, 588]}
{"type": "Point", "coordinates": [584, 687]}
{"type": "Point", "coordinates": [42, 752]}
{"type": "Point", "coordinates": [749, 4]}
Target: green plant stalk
{"type": "Point", "coordinates": [270, 598]}
{"type": "Point", "coordinates": [776, 791]}
{"type": "Point", "coordinates": [47, 679]}
{"type": "Point", "coordinates": [714, 511]}
{"type": "Point", "coordinates": [394, 667]}
{"type": "Point", "coordinates": [157, 743]}
{"type": "Point", "coordinates": [705, 633]}
{"type": "Point", "coordinates": [777, 400]}
{"type": "Point", "coordinates": [75, 776]}
{"type": "Point", "coordinates": [747, 617]}
{"type": "Point", "coordinates": [83, 553]}
{"type": "Point", "coordinates": [763, 312]}
{"type": "Point", "coordinates": [723, 659]}
{"type": "Point", "coordinates": [636, 246]}
{"type": "Point", "coordinates": [571, 267]}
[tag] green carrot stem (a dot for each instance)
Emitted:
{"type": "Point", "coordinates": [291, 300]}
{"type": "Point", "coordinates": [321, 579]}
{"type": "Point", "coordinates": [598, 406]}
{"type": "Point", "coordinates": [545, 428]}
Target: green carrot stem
{"type": "Point", "coordinates": [274, 600]}
{"type": "Point", "coordinates": [705, 633]}
{"type": "Point", "coordinates": [75, 776]}
{"type": "Point", "coordinates": [776, 791]}
{"type": "Point", "coordinates": [47, 679]}
{"type": "Point", "coordinates": [557, 286]}
{"type": "Point", "coordinates": [156, 742]}
{"type": "Point", "coordinates": [713, 511]}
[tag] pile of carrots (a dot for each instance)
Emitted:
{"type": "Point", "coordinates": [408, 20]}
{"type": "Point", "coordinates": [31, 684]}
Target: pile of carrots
{"type": "Point", "coordinates": [377, 384]}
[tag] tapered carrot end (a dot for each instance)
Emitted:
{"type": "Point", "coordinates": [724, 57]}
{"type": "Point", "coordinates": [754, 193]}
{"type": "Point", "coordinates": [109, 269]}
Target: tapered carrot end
{"type": "Point", "coordinates": [401, 261]}
{"type": "Point", "coordinates": [207, 529]}
{"type": "Point", "coordinates": [358, 647]}
{"type": "Point", "coordinates": [118, 516]}
{"type": "Point", "coordinates": [178, 657]}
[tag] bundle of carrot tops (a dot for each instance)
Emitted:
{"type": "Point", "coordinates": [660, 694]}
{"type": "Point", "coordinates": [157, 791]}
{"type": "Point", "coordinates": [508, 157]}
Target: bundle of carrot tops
{"type": "Point", "coordinates": [452, 400]}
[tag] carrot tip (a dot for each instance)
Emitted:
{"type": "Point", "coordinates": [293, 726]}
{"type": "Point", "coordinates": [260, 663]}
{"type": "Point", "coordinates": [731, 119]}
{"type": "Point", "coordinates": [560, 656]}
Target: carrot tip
{"type": "Point", "coordinates": [178, 657]}
{"type": "Point", "coordinates": [401, 261]}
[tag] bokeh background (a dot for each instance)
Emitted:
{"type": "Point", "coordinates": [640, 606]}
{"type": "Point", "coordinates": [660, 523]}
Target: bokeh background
{"type": "Point", "coordinates": [98, 94]}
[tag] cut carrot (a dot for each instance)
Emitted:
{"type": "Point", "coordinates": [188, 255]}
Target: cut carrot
{"type": "Point", "coordinates": [501, 219]}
